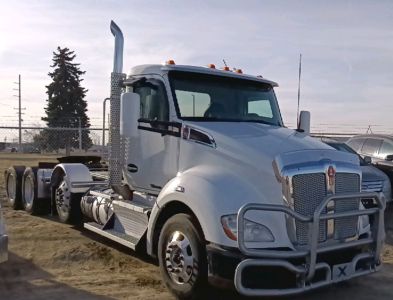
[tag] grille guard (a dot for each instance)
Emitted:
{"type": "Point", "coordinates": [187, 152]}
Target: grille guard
{"type": "Point", "coordinates": [278, 258]}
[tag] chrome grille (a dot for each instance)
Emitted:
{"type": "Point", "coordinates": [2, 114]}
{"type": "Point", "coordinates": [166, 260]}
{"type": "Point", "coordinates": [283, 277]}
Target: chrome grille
{"type": "Point", "coordinates": [346, 183]}
{"type": "Point", "coordinates": [372, 186]}
{"type": "Point", "coordinates": [308, 192]}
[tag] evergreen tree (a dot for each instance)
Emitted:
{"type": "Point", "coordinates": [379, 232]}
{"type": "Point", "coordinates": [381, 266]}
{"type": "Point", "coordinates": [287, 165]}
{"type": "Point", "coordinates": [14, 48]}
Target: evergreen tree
{"type": "Point", "coordinates": [66, 106]}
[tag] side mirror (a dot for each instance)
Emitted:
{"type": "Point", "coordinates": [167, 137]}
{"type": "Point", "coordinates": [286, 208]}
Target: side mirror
{"type": "Point", "coordinates": [367, 159]}
{"type": "Point", "coordinates": [304, 122]}
{"type": "Point", "coordinates": [130, 109]}
{"type": "Point", "coordinates": [389, 157]}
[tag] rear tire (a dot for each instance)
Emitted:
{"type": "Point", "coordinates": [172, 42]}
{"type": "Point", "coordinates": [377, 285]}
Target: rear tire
{"type": "Point", "coordinates": [13, 183]}
{"type": "Point", "coordinates": [31, 203]}
{"type": "Point", "coordinates": [68, 204]}
{"type": "Point", "coordinates": [182, 258]}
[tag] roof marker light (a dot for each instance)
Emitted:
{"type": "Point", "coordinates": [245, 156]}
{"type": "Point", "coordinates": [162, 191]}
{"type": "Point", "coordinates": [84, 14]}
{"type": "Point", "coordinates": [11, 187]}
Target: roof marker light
{"type": "Point", "coordinates": [225, 68]}
{"type": "Point", "coordinates": [170, 62]}
{"type": "Point", "coordinates": [260, 76]}
{"type": "Point", "coordinates": [239, 71]}
{"type": "Point", "coordinates": [211, 66]}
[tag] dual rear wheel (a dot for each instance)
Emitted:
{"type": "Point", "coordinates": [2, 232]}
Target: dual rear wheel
{"type": "Point", "coordinates": [22, 193]}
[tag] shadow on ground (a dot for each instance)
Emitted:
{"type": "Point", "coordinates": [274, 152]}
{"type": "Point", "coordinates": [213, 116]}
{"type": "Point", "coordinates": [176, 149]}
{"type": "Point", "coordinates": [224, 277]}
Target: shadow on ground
{"type": "Point", "coordinates": [22, 279]}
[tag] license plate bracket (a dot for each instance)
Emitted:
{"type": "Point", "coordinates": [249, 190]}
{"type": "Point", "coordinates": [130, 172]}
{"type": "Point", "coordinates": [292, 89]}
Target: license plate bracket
{"type": "Point", "coordinates": [342, 272]}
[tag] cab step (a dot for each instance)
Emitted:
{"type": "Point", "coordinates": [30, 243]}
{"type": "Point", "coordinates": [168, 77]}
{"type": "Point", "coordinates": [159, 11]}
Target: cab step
{"type": "Point", "coordinates": [114, 235]}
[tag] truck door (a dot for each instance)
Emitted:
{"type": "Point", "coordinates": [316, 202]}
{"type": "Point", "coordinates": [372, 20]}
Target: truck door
{"type": "Point", "coordinates": [150, 158]}
{"type": "Point", "coordinates": [383, 164]}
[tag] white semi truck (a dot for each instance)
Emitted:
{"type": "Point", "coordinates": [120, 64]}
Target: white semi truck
{"type": "Point", "coordinates": [204, 176]}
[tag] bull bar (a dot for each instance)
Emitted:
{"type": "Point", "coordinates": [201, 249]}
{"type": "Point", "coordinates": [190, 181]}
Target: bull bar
{"type": "Point", "coordinates": [266, 258]}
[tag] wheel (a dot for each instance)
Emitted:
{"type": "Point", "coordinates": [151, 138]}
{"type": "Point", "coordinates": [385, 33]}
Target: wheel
{"type": "Point", "coordinates": [68, 204]}
{"type": "Point", "coordinates": [182, 257]}
{"type": "Point", "coordinates": [30, 201]}
{"type": "Point", "coordinates": [13, 182]}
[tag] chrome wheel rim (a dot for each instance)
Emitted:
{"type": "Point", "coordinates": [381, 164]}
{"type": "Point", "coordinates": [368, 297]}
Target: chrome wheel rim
{"type": "Point", "coordinates": [11, 187]}
{"type": "Point", "coordinates": [63, 196]}
{"type": "Point", "coordinates": [29, 190]}
{"type": "Point", "coordinates": [179, 258]}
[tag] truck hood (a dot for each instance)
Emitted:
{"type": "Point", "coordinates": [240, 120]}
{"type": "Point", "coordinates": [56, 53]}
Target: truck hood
{"type": "Point", "coordinates": [255, 154]}
{"type": "Point", "coordinates": [267, 140]}
{"type": "Point", "coordinates": [370, 173]}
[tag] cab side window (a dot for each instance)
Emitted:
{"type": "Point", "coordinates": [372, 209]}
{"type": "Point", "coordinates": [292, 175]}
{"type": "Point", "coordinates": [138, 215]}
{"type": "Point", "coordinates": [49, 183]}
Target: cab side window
{"type": "Point", "coordinates": [371, 147]}
{"type": "Point", "coordinates": [154, 103]}
{"type": "Point", "coordinates": [386, 149]}
{"type": "Point", "coordinates": [356, 144]}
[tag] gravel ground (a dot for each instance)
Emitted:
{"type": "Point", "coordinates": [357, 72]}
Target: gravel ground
{"type": "Point", "coordinates": [51, 260]}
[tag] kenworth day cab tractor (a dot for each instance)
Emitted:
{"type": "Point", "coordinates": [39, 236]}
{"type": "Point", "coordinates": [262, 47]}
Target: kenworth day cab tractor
{"type": "Point", "coordinates": [204, 176]}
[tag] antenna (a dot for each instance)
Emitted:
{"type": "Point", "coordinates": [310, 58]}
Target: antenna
{"type": "Point", "coordinates": [298, 90]}
{"type": "Point", "coordinates": [225, 62]}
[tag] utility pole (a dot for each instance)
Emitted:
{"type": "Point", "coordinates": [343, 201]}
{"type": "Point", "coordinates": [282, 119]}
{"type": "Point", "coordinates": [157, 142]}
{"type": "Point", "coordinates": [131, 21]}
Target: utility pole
{"type": "Point", "coordinates": [193, 105]}
{"type": "Point", "coordinates": [20, 112]}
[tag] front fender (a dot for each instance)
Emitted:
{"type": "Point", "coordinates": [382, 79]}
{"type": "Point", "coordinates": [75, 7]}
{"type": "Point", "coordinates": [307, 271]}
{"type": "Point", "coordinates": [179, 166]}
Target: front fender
{"type": "Point", "coordinates": [72, 173]}
{"type": "Point", "coordinates": [215, 193]}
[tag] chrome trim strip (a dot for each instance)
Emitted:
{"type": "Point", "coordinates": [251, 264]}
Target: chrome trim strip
{"type": "Point", "coordinates": [85, 184]}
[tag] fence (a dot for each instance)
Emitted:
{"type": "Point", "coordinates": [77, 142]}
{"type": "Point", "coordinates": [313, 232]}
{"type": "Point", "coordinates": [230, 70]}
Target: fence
{"type": "Point", "coordinates": [82, 141]}
{"type": "Point", "coordinates": [45, 140]}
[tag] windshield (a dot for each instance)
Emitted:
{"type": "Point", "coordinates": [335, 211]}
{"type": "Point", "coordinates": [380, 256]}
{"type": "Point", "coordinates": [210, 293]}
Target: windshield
{"type": "Point", "coordinates": [205, 97]}
{"type": "Point", "coordinates": [346, 148]}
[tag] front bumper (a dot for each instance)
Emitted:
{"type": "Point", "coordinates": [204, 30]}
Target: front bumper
{"type": "Point", "coordinates": [3, 248]}
{"type": "Point", "coordinates": [318, 265]}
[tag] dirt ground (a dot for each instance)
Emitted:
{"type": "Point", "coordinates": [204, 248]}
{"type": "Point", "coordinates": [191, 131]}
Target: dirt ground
{"type": "Point", "coordinates": [51, 260]}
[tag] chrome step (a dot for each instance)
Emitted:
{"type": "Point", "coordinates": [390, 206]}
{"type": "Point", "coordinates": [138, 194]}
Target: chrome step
{"type": "Point", "coordinates": [114, 235]}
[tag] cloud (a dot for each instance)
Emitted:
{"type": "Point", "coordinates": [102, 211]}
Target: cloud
{"type": "Point", "coordinates": [346, 48]}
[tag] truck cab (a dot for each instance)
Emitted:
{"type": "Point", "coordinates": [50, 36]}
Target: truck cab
{"type": "Point", "coordinates": [214, 141]}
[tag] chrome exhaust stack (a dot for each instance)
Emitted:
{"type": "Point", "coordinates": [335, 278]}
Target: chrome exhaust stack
{"type": "Point", "coordinates": [117, 77]}
{"type": "Point", "coordinates": [119, 46]}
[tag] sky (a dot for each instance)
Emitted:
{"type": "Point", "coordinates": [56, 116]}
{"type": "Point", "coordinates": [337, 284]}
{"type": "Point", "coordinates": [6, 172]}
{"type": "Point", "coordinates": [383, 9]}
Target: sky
{"type": "Point", "coordinates": [346, 47]}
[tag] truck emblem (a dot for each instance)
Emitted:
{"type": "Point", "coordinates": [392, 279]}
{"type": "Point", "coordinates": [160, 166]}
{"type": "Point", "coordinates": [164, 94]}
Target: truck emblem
{"type": "Point", "coordinates": [331, 175]}
{"type": "Point", "coordinates": [132, 168]}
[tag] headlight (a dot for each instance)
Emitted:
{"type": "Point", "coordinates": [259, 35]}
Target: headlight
{"type": "Point", "coordinates": [253, 232]}
{"type": "Point", "coordinates": [365, 219]}
{"type": "Point", "coordinates": [386, 186]}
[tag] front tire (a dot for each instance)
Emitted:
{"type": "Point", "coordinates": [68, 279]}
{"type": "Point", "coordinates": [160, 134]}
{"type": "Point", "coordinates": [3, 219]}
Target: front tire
{"type": "Point", "coordinates": [13, 183]}
{"type": "Point", "coordinates": [68, 204]}
{"type": "Point", "coordinates": [182, 257]}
